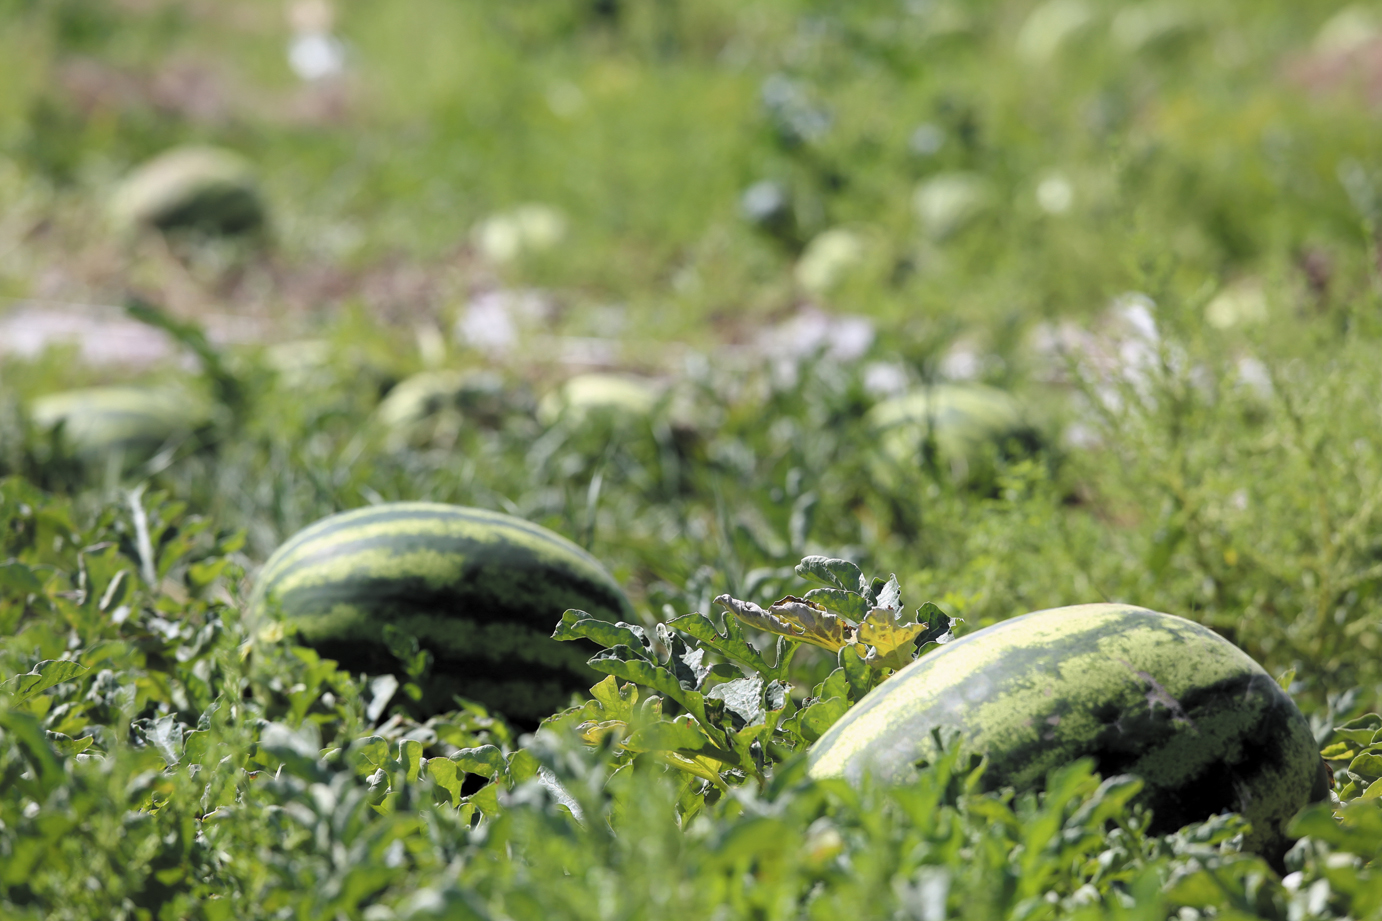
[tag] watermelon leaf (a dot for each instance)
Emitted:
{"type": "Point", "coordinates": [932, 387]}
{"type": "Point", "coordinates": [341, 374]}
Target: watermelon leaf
{"type": "Point", "coordinates": [795, 619]}
{"type": "Point", "coordinates": [577, 625]}
{"type": "Point", "coordinates": [889, 644]}
{"type": "Point", "coordinates": [624, 662]}
{"type": "Point", "coordinates": [410, 756]}
{"type": "Point", "coordinates": [681, 735]}
{"type": "Point", "coordinates": [889, 595]}
{"type": "Point", "coordinates": [44, 675]}
{"type": "Point", "coordinates": [938, 625]}
{"type": "Point", "coordinates": [20, 579]}
{"type": "Point", "coordinates": [743, 697]}
{"type": "Point", "coordinates": [836, 573]}
{"type": "Point", "coordinates": [731, 644]}
{"type": "Point", "coordinates": [683, 661]}
{"type": "Point", "coordinates": [446, 774]}
{"type": "Point", "coordinates": [813, 720]}
{"type": "Point", "coordinates": [486, 760]}
{"type": "Point", "coordinates": [842, 602]}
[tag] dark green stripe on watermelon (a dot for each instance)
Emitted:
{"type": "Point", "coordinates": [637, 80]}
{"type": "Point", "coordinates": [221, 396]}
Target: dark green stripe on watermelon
{"type": "Point", "coordinates": [482, 591]}
{"type": "Point", "coordinates": [1139, 692]}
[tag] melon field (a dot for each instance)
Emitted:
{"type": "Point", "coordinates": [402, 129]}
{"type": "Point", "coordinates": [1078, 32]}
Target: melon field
{"type": "Point", "coordinates": [592, 459]}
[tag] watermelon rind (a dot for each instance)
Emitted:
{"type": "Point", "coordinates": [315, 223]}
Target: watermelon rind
{"type": "Point", "coordinates": [135, 422]}
{"type": "Point", "coordinates": [200, 188]}
{"type": "Point", "coordinates": [481, 590]}
{"type": "Point", "coordinates": [1139, 692]}
{"type": "Point", "coordinates": [966, 424]}
{"type": "Point", "coordinates": [614, 397]}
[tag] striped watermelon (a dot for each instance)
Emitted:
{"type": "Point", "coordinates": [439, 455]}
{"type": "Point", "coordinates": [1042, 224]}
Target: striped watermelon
{"type": "Point", "coordinates": [437, 403]}
{"type": "Point", "coordinates": [961, 420]}
{"type": "Point", "coordinates": [206, 189]}
{"type": "Point", "coordinates": [480, 590]}
{"type": "Point", "coordinates": [1140, 692]}
{"type": "Point", "coordinates": [618, 398]}
{"type": "Point", "coordinates": [128, 424]}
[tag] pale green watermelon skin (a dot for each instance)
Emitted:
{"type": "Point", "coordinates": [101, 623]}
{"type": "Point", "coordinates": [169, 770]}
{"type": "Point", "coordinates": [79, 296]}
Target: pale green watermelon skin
{"type": "Point", "coordinates": [481, 590]}
{"type": "Point", "coordinates": [204, 189]}
{"type": "Point", "coordinates": [133, 422]}
{"type": "Point", "coordinates": [962, 421]}
{"type": "Point", "coordinates": [1138, 691]}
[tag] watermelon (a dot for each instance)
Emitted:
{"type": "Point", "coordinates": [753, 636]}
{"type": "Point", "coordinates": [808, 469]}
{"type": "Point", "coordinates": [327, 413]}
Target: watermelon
{"type": "Point", "coordinates": [128, 424]}
{"type": "Point", "coordinates": [429, 402]}
{"type": "Point", "coordinates": [206, 189]}
{"type": "Point", "coordinates": [1139, 692]}
{"type": "Point", "coordinates": [961, 420]}
{"type": "Point", "coordinates": [616, 398]}
{"type": "Point", "coordinates": [482, 591]}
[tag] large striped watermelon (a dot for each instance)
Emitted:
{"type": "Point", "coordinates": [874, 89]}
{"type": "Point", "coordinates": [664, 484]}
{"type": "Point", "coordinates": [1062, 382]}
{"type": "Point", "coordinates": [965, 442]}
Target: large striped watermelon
{"type": "Point", "coordinates": [1139, 692]}
{"type": "Point", "coordinates": [482, 591]}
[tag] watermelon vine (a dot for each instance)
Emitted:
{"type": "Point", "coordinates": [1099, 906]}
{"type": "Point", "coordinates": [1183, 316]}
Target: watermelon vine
{"type": "Point", "coordinates": [703, 696]}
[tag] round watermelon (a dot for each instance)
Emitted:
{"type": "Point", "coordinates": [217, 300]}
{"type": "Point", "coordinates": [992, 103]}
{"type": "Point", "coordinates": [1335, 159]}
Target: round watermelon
{"type": "Point", "coordinates": [962, 421]}
{"type": "Point", "coordinates": [1139, 692]}
{"type": "Point", "coordinates": [617, 398]}
{"type": "Point", "coordinates": [429, 403]}
{"type": "Point", "coordinates": [127, 424]}
{"type": "Point", "coordinates": [482, 591]}
{"type": "Point", "coordinates": [206, 189]}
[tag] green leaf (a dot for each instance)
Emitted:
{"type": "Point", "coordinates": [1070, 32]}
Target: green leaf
{"type": "Point", "coordinates": [20, 579]}
{"type": "Point", "coordinates": [43, 676]}
{"type": "Point", "coordinates": [486, 760]}
{"type": "Point", "coordinates": [195, 745]}
{"type": "Point", "coordinates": [1357, 829]}
{"type": "Point", "coordinates": [165, 736]}
{"type": "Point", "coordinates": [1360, 730]}
{"type": "Point", "coordinates": [374, 749]}
{"type": "Point", "coordinates": [844, 603]}
{"type": "Point", "coordinates": [523, 765]}
{"type": "Point", "coordinates": [938, 625]}
{"type": "Point", "coordinates": [446, 774]}
{"type": "Point", "coordinates": [1367, 765]}
{"type": "Point", "coordinates": [66, 745]}
{"type": "Point", "coordinates": [616, 701]}
{"type": "Point", "coordinates": [743, 697]}
{"type": "Point", "coordinates": [888, 595]}
{"type": "Point", "coordinates": [298, 750]}
{"type": "Point", "coordinates": [410, 756]}
{"type": "Point", "coordinates": [1108, 801]}
{"type": "Point", "coordinates": [1285, 678]}
{"type": "Point", "coordinates": [858, 676]}
{"type": "Point", "coordinates": [795, 619]}
{"type": "Point", "coordinates": [836, 573]}
{"type": "Point", "coordinates": [683, 734]}
{"type": "Point", "coordinates": [815, 719]}
{"type": "Point", "coordinates": [683, 661]}
{"type": "Point", "coordinates": [731, 644]}
{"type": "Point", "coordinates": [578, 625]}
{"type": "Point", "coordinates": [26, 733]}
{"type": "Point", "coordinates": [890, 644]}
{"type": "Point", "coordinates": [625, 663]}
{"type": "Point", "coordinates": [486, 799]}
